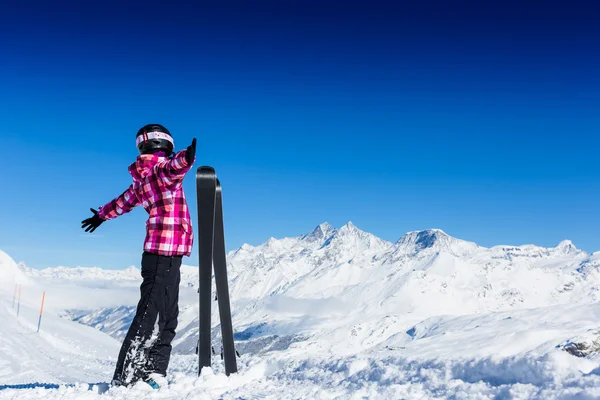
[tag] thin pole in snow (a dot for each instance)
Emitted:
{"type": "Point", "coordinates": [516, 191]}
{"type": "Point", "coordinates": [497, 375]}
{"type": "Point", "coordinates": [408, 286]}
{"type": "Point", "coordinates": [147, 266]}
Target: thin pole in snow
{"type": "Point", "coordinates": [15, 295]}
{"type": "Point", "coordinates": [41, 311]}
{"type": "Point", "coordinates": [19, 304]}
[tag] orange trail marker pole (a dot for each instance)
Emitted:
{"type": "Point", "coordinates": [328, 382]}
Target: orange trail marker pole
{"type": "Point", "coordinates": [41, 311]}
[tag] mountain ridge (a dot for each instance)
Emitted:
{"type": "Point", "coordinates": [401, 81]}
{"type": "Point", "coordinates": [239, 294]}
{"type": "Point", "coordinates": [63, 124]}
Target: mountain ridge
{"type": "Point", "coordinates": [339, 279]}
{"type": "Point", "coordinates": [416, 241]}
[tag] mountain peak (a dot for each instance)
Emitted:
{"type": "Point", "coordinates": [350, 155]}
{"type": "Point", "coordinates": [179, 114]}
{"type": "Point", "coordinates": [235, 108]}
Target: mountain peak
{"type": "Point", "coordinates": [320, 233]}
{"type": "Point", "coordinates": [416, 241]}
{"type": "Point", "coordinates": [242, 250]}
{"type": "Point", "coordinates": [423, 239]}
{"type": "Point", "coordinates": [349, 227]}
{"type": "Point", "coordinates": [324, 228]}
{"type": "Point", "coordinates": [566, 246]}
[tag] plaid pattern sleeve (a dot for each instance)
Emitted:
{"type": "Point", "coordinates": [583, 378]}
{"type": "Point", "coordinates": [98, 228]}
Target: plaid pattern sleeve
{"type": "Point", "coordinates": [175, 169]}
{"type": "Point", "coordinates": [126, 202]}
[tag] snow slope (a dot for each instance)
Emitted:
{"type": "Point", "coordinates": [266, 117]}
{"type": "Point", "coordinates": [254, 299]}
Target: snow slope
{"type": "Point", "coordinates": [333, 314]}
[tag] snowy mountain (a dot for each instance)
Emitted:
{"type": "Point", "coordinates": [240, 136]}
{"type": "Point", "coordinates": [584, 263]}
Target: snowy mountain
{"type": "Point", "coordinates": [432, 240]}
{"type": "Point", "coordinates": [352, 274]}
{"type": "Point", "coordinates": [342, 296]}
{"type": "Point", "coordinates": [12, 272]}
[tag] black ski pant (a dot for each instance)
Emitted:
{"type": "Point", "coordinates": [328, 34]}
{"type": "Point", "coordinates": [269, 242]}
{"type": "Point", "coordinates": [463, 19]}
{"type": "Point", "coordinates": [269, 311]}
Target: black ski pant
{"type": "Point", "coordinates": [147, 345]}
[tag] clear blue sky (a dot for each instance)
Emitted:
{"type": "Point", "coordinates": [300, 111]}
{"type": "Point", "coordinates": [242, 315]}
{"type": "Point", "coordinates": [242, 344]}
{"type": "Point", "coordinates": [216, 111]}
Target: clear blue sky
{"type": "Point", "coordinates": [479, 118]}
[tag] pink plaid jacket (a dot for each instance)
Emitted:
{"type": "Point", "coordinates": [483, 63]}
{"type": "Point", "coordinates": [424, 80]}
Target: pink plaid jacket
{"type": "Point", "coordinates": [158, 187]}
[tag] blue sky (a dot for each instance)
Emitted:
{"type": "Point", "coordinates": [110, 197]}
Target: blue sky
{"type": "Point", "coordinates": [479, 118]}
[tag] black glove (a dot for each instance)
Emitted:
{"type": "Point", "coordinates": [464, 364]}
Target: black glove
{"type": "Point", "coordinates": [190, 154]}
{"type": "Point", "coordinates": [92, 223]}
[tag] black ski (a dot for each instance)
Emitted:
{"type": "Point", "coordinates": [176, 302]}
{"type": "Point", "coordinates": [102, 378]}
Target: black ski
{"type": "Point", "coordinates": [211, 246]}
{"type": "Point", "coordinates": [206, 182]}
{"type": "Point", "coordinates": [220, 265]}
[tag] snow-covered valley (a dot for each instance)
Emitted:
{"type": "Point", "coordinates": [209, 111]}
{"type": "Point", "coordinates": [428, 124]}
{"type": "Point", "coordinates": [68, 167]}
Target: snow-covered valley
{"type": "Point", "coordinates": [331, 314]}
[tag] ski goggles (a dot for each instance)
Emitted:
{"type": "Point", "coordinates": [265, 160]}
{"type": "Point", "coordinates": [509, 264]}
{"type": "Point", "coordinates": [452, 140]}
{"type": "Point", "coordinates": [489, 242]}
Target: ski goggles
{"type": "Point", "coordinates": [147, 136]}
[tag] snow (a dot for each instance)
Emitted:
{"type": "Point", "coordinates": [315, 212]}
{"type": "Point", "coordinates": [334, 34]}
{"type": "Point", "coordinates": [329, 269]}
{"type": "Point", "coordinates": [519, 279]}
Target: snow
{"type": "Point", "coordinates": [330, 314]}
{"type": "Point", "coordinates": [65, 273]}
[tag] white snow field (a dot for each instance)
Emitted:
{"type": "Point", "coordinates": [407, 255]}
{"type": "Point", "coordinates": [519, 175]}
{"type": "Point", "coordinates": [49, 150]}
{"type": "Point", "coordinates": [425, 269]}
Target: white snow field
{"type": "Point", "coordinates": [332, 314]}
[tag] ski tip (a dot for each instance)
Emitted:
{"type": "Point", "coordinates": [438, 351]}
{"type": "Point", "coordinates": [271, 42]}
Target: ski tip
{"type": "Point", "coordinates": [205, 169]}
{"type": "Point", "coordinates": [206, 176]}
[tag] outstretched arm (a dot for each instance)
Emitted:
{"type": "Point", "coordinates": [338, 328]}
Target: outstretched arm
{"type": "Point", "coordinates": [126, 202]}
{"type": "Point", "coordinates": [175, 169]}
{"type": "Point", "coordinates": [119, 206]}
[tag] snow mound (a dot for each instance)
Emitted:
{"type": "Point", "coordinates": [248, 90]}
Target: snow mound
{"type": "Point", "coordinates": [11, 273]}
